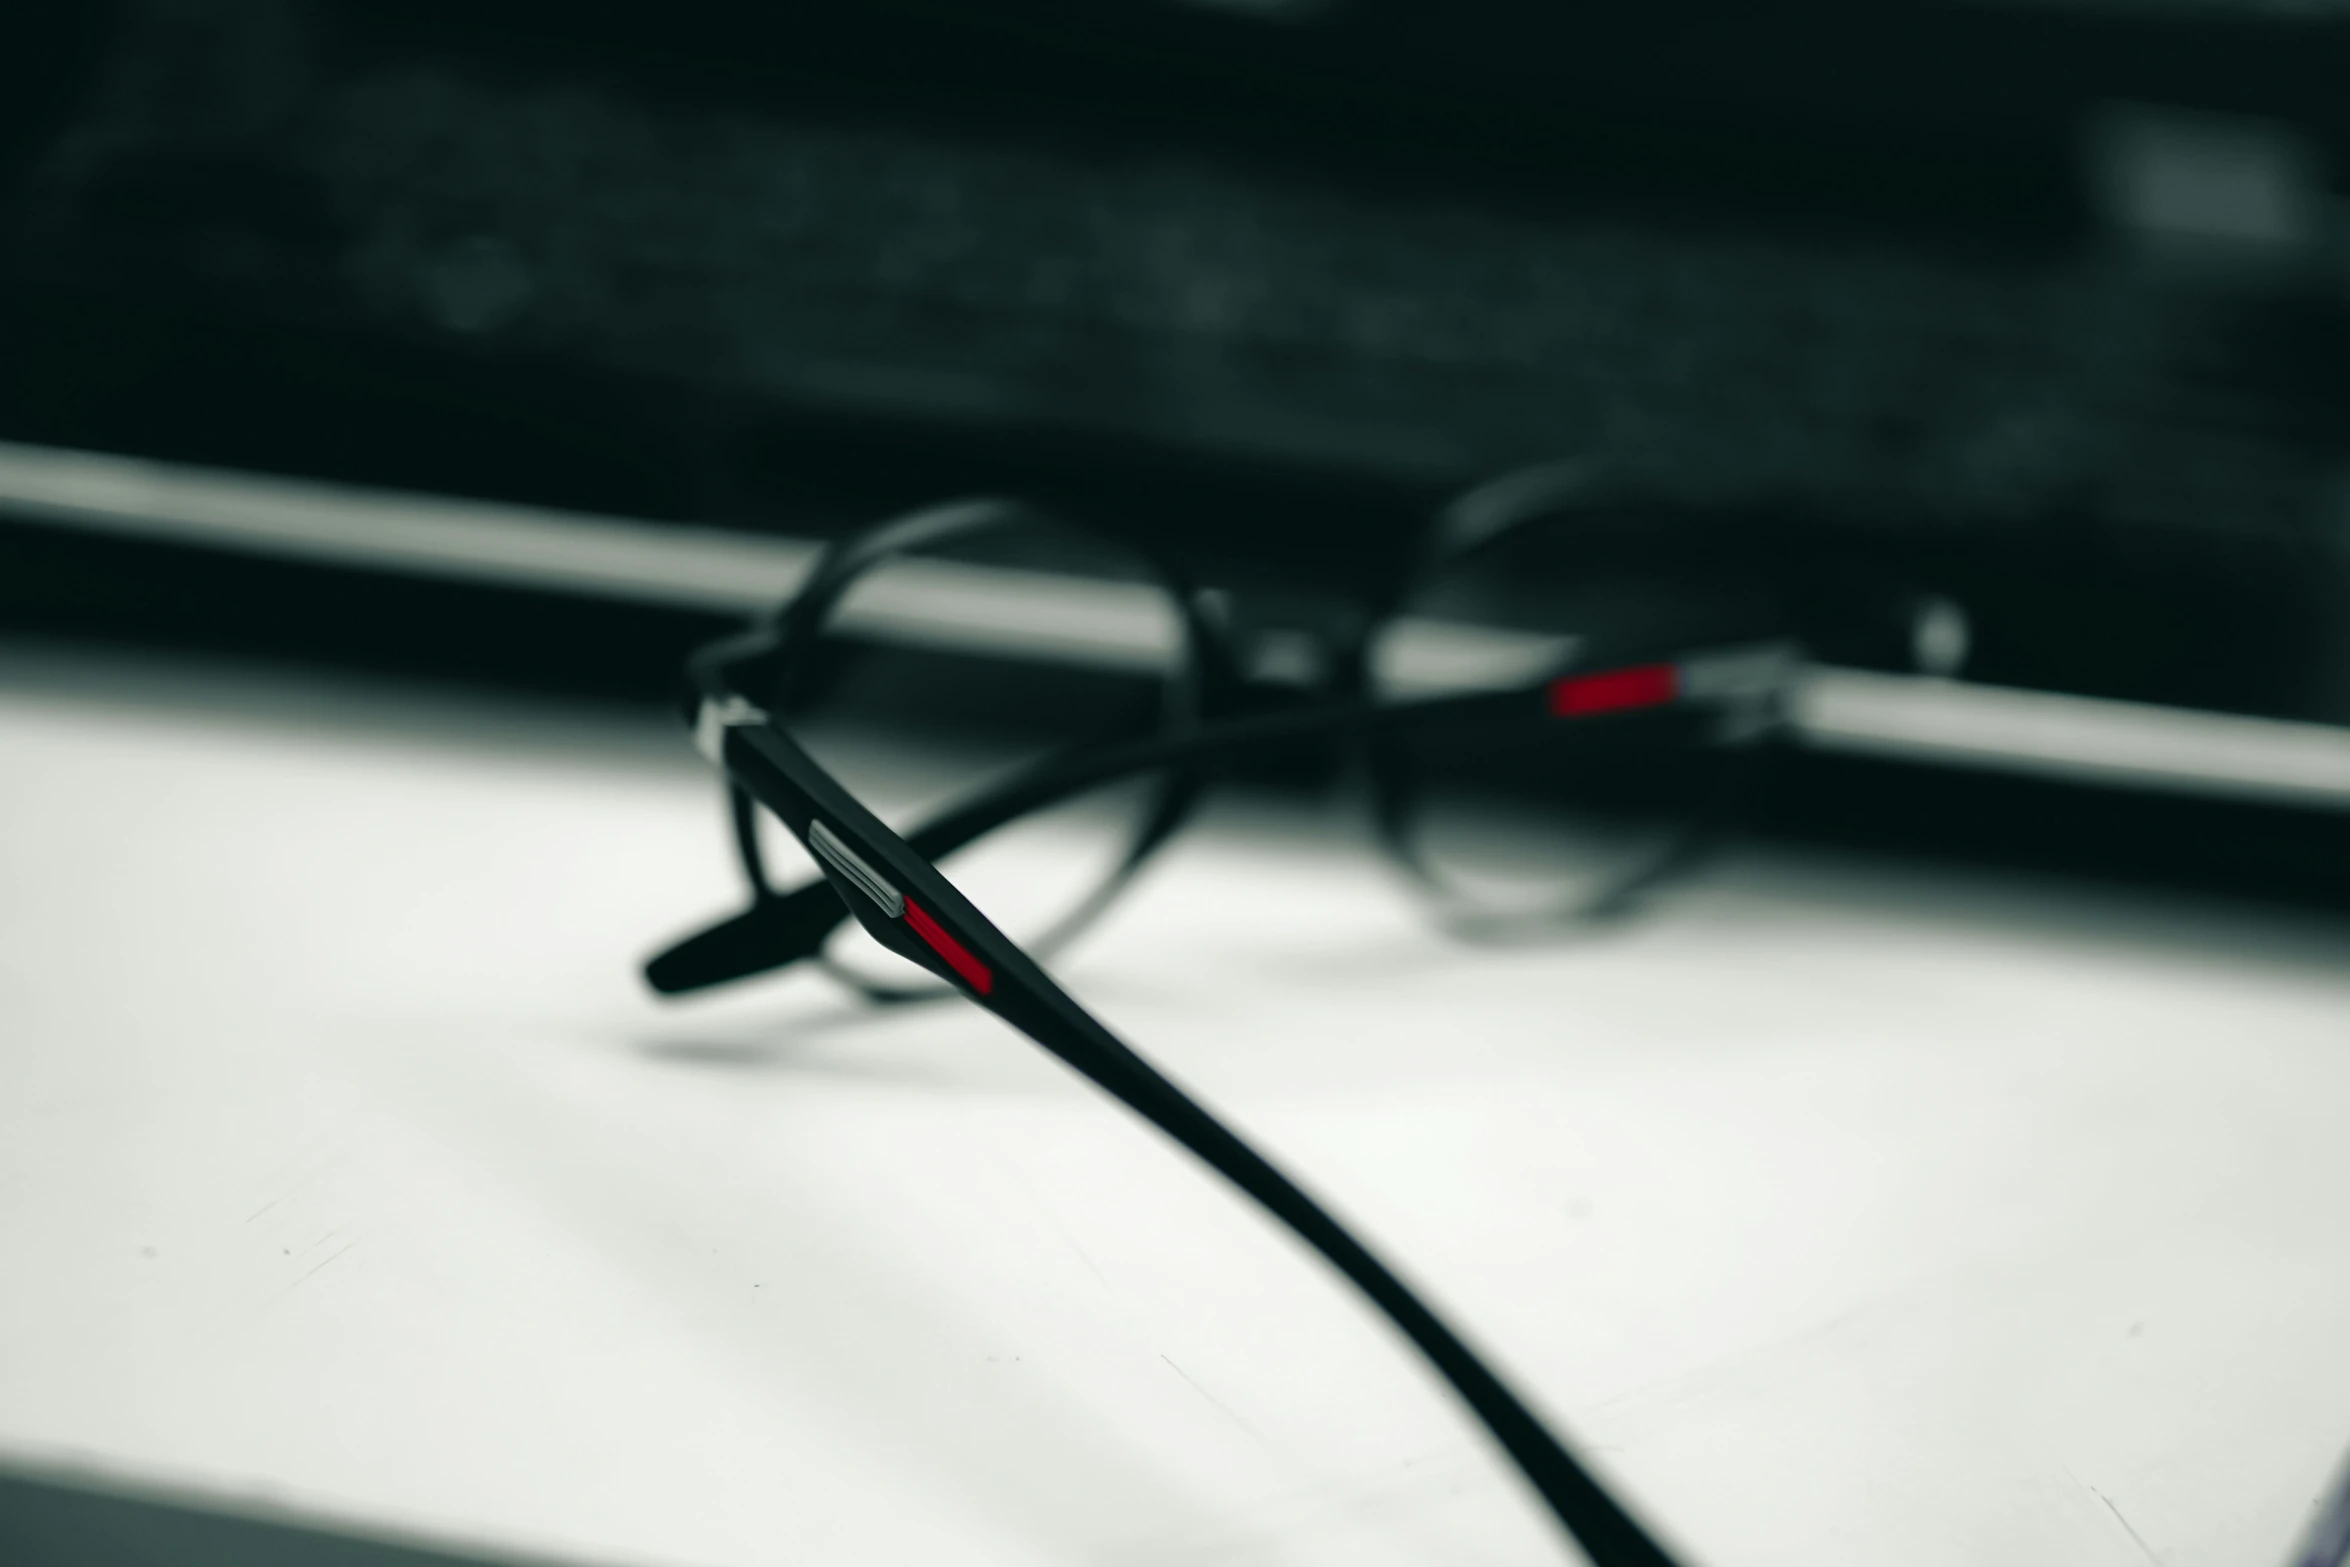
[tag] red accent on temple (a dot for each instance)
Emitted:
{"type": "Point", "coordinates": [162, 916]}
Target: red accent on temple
{"type": "Point", "coordinates": [974, 972]}
{"type": "Point", "coordinates": [1614, 691]}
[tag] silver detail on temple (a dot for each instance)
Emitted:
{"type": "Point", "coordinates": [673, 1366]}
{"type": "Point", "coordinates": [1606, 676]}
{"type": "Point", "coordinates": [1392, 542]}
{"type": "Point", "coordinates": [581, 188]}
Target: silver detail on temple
{"type": "Point", "coordinates": [860, 875]}
{"type": "Point", "coordinates": [1743, 673]}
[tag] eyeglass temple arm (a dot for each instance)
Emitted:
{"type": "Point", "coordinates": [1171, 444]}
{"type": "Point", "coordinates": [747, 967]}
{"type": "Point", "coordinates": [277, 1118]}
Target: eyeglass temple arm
{"type": "Point", "coordinates": [1609, 1536]}
{"type": "Point", "coordinates": [890, 887]}
{"type": "Point", "coordinates": [781, 929]}
{"type": "Point", "coordinates": [773, 933]}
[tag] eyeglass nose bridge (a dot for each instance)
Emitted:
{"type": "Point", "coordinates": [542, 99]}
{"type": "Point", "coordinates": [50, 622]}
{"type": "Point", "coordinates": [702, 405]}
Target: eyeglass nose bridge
{"type": "Point", "coordinates": [1286, 645]}
{"type": "Point", "coordinates": [1289, 656]}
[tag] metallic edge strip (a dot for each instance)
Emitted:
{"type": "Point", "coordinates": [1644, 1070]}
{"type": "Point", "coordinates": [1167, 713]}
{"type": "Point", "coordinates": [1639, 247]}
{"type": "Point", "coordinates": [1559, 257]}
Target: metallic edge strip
{"type": "Point", "coordinates": [1909, 717]}
{"type": "Point", "coordinates": [2092, 739]}
{"type": "Point", "coordinates": [862, 876]}
{"type": "Point", "coordinates": [528, 546]}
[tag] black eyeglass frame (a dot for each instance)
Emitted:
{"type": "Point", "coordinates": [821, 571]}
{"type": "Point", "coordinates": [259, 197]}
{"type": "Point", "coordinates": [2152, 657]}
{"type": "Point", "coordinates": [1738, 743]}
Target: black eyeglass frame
{"type": "Point", "coordinates": [889, 884]}
{"type": "Point", "coordinates": [1747, 676]}
{"type": "Point", "coordinates": [873, 874]}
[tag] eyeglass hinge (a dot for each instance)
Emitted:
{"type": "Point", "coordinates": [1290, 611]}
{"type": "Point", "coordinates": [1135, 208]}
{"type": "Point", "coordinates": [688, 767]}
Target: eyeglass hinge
{"type": "Point", "coordinates": [716, 716]}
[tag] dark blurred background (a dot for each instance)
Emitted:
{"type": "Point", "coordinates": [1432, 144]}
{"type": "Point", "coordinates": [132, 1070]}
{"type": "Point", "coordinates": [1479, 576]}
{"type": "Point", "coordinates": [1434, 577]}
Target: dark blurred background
{"type": "Point", "coordinates": [2045, 306]}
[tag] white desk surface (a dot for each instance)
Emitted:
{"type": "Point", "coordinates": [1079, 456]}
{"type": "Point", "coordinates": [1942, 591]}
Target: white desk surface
{"type": "Point", "coordinates": [1846, 1214]}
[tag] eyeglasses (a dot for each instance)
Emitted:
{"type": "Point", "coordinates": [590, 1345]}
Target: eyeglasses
{"type": "Point", "coordinates": [1564, 703]}
{"type": "Point", "coordinates": [1560, 707]}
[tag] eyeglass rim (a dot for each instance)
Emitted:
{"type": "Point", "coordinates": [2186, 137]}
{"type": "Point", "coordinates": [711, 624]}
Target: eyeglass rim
{"type": "Point", "coordinates": [799, 621]}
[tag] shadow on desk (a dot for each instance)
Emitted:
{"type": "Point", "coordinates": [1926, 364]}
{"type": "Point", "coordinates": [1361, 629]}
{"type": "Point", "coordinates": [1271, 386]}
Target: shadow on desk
{"type": "Point", "coordinates": [47, 1521]}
